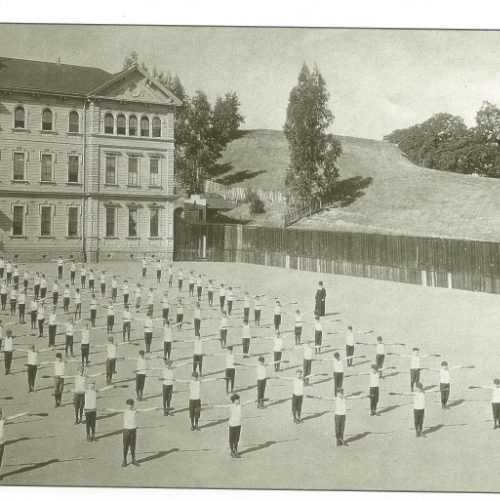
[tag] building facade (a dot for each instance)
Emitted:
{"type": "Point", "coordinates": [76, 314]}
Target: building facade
{"type": "Point", "coordinates": [86, 163]}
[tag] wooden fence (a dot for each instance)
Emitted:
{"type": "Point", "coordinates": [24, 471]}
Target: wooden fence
{"type": "Point", "coordinates": [462, 264]}
{"type": "Point", "coordinates": [238, 194]}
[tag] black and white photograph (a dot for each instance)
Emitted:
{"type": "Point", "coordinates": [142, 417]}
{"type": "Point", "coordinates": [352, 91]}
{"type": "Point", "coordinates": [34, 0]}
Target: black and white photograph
{"type": "Point", "coordinates": [249, 257]}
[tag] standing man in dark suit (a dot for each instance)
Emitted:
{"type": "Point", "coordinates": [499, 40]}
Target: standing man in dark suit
{"type": "Point", "coordinates": [320, 297]}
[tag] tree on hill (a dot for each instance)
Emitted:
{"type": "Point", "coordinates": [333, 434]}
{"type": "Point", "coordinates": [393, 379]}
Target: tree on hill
{"type": "Point", "coordinates": [443, 142]}
{"type": "Point", "coordinates": [312, 173]}
{"type": "Point", "coordinates": [227, 118]}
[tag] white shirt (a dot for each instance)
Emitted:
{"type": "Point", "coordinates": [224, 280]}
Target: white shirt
{"type": "Point", "coordinates": [195, 389]}
{"type": "Point", "coordinates": [114, 283]}
{"type": "Point", "coordinates": [32, 358]}
{"type": "Point", "coordinates": [55, 288]}
{"type": "Point", "coordinates": [298, 320]}
{"type": "Point", "coordinates": [222, 292]}
{"type": "Point", "coordinates": [298, 387]}
{"type": "Point", "coordinates": [340, 406]}
{"type": "Point", "coordinates": [33, 305]}
{"type": "Point", "coordinates": [234, 415]}
{"type": "Point", "coordinates": [380, 348]}
{"type": "Point", "coordinates": [308, 352]}
{"type": "Point", "coordinates": [246, 332]}
{"type": "Point", "coordinates": [277, 310]}
{"type": "Point", "coordinates": [69, 329]}
{"type": "Point", "coordinates": [59, 368]}
{"type": "Point", "coordinates": [197, 313]}
{"type": "Point", "coordinates": [41, 313]}
{"type": "Point", "coordinates": [90, 400]}
{"type": "Point", "coordinates": [223, 323]}
{"type": "Point", "coordinates": [73, 267]}
{"type": "Point", "coordinates": [415, 362]}
{"type": "Point", "coordinates": [167, 333]}
{"type": "Point", "coordinates": [80, 384]}
{"type": "Point", "coordinates": [318, 327]}
{"type": "Point", "coordinates": [129, 420]}
{"type": "Point", "coordinates": [111, 311]}
{"type": "Point", "coordinates": [229, 295]}
{"type": "Point", "coordinates": [257, 305]}
{"type": "Point", "coordinates": [8, 344]}
{"type": "Point", "coordinates": [278, 344]}
{"type": "Point", "coordinates": [261, 372]}
{"type": "Point", "coordinates": [103, 278]}
{"type": "Point", "coordinates": [444, 376]}
{"type": "Point", "coordinates": [349, 338]}
{"type": "Point", "coordinates": [111, 351]}
{"type": "Point", "coordinates": [141, 366]}
{"type": "Point", "coordinates": [338, 365]}
{"type": "Point", "coordinates": [126, 316]}
{"type": "Point", "coordinates": [43, 283]}
{"type": "Point", "coordinates": [78, 298]}
{"type": "Point", "coordinates": [83, 272]}
{"type": "Point", "coordinates": [374, 379]}
{"type": "Point", "coordinates": [148, 325]}
{"type": "Point", "coordinates": [66, 293]}
{"type": "Point", "coordinates": [93, 304]}
{"type": "Point", "coordinates": [1, 428]}
{"type": "Point", "coordinates": [229, 361]}
{"type": "Point", "coordinates": [419, 401]}
{"type": "Point", "coordinates": [168, 376]}
{"type": "Point", "coordinates": [125, 289]}
{"type": "Point", "coordinates": [85, 336]}
{"type": "Point", "coordinates": [198, 346]}
{"type": "Point", "coordinates": [495, 395]}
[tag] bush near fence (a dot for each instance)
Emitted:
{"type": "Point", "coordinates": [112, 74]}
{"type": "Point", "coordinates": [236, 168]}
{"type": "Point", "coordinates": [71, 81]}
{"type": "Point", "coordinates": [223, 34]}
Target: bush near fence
{"type": "Point", "coordinates": [463, 264]}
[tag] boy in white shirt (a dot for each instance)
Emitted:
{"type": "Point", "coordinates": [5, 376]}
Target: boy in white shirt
{"type": "Point", "coordinates": [495, 400]}
{"type": "Point", "coordinates": [415, 366]}
{"type": "Point", "coordinates": [445, 381]}
{"type": "Point", "coordinates": [158, 271]}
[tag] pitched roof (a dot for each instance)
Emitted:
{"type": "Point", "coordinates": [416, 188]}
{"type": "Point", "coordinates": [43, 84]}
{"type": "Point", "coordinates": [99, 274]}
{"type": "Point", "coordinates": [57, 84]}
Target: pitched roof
{"type": "Point", "coordinates": [55, 77]}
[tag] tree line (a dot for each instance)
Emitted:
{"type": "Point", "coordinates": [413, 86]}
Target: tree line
{"type": "Point", "coordinates": [444, 142]}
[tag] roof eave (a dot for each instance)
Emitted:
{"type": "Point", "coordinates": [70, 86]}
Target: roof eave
{"type": "Point", "coordinates": [28, 90]}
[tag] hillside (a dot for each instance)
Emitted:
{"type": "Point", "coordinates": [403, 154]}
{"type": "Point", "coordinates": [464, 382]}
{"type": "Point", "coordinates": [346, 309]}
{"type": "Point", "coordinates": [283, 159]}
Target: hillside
{"type": "Point", "coordinates": [395, 196]}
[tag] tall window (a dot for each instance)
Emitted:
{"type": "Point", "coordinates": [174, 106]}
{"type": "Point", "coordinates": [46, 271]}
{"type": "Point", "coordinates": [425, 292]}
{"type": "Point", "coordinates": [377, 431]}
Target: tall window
{"type": "Point", "coordinates": [132, 222]}
{"type": "Point", "coordinates": [19, 164]}
{"type": "Point", "coordinates": [144, 126]}
{"type": "Point", "coordinates": [156, 127]}
{"type": "Point", "coordinates": [109, 124]}
{"type": "Point", "coordinates": [132, 125]}
{"type": "Point", "coordinates": [110, 221]}
{"type": "Point", "coordinates": [46, 221]}
{"type": "Point", "coordinates": [133, 171]}
{"type": "Point", "coordinates": [154, 174]}
{"type": "Point", "coordinates": [110, 170]}
{"type": "Point", "coordinates": [46, 173]}
{"type": "Point", "coordinates": [154, 222]}
{"type": "Point", "coordinates": [121, 125]}
{"type": "Point", "coordinates": [47, 120]}
{"type": "Point", "coordinates": [73, 168]}
{"type": "Point", "coordinates": [74, 122]}
{"type": "Point", "coordinates": [18, 221]}
{"type": "Point", "coordinates": [19, 117]}
{"type": "Point", "coordinates": [73, 216]}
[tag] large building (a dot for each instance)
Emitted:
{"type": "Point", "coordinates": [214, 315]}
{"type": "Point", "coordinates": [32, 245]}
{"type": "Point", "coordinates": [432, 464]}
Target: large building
{"type": "Point", "coordinates": [86, 162]}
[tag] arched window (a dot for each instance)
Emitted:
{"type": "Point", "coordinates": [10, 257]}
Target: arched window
{"type": "Point", "coordinates": [19, 117]}
{"type": "Point", "coordinates": [47, 119]}
{"type": "Point", "coordinates": [132, 125]}
{"type": "Point", "coordinates": [74, 122]}
{"type": "Point", "coordinates": [156, 127]}
{"type": "Point", "coordinates": [109, 124]}
{"type": "Point", "coordinates": [121, 125]}
{"type": "Point", "coordinates": [144, 126]}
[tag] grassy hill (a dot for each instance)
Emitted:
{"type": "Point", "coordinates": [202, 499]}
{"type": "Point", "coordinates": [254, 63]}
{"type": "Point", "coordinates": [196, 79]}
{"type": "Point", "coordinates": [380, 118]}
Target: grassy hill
{"type": "Point", "coordinates": [383, 192]}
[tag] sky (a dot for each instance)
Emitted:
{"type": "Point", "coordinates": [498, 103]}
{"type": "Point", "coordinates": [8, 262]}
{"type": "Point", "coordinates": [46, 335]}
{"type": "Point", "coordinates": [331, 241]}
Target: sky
{"type": "Point", "coordinates": [378, 80]}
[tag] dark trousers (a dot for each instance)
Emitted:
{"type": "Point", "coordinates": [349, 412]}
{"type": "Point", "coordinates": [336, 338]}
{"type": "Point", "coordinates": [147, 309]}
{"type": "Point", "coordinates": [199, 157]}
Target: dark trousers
{"type": "Point", "coordinates": [83, 280]}
{"type": "Point", "coordinates": [256, 316]}
{"type": "Point", "coordinates": [374, 397]}
{"type": "Point", "coordinates": [129, 443]}
{"type": "Point", "coordinates": [52, 335]}
{"type": "Point", "coordinates": [93, 316]}
{"type": "Point", "coordinates": [298, 334]}
{"type": "Point", "coordinates": [277, 321]}
{"type": "Point", "coordinates": [78, 404]}
{"type": "Point", "coordinates": [496, 414]}
{"type": "Point", "coordinates": [246, 314]}
{"type": "Point", "coordinates": [150, 309]}
{"type": "Point", "coordinates": [36, 291]}
{"type": "Point", "coordinates": [418, 416]}
{"type": "Point", "coordinates": [379, 360]}
{"type": "Point", "coordinates": [349, 351]}
{"type": "Point", "coordinates": [90, 420]}
{"type": "Point", "coordinates": [65, 304]}
{"type": "Point", "coordinates": [2, 270]}
{"type": "Point", "coordinates": [296, 406]}
{"type": "Point", "coordinates": [9, 277]}
{"type": "Point", "coordinates": [78, 312]}
{"type": "Point", "coordinates": [197, 325]}
{"type": "Point", "coordinates": [55, 298]}
{"type": "Point", "coordinates": [164, 313]}
{"type": "Point", "coordinates": [32, 369]}
{"type": "Point", "coordinates": [234, 437]}
{"type": "Point", "coordinates": [210, 299]}
{"type": "Point", "coordinates": [85, 351]}
{"type": "Point", "coordinates": [148, 339]}
{"type": "Point", "coordinates": [198, 363]}
{"type": "Point", "coordinates": [3, 300]}
{"type": "Point", "coordinates": [110, 323]}
{"type": "Point", "coordinates": [126, 330]}
{"type": "Point", "coordinates": [277, 357]}
{"type": "Point", "coordinates": [158, 275]}
{"type": "Point", "coordinates": [43, 293]}
{"type": "Point", "coordinates": [110, 369]}
{"type": "Point", "coordinates": [229, 307]}
{"type": "Point", "coordinates": [246, 345]}
{"type": "Point", "coordinates": [68, 345]}
{"type": "Point", "coordinates": [7, 355]}
{"type": "Point", "coordinates": [13, 303]}
{"type": "Point", "coordinates": [58, 389]}
{"type": "Point", "coordinates": [223, 337]}
{"type": "Point", "coordinates": [445, 394]}
{"type": "Point", "coordinates": [140, 379]}
{"type": "Point", "coordinates": [338, 378]}
{"type": "Point", "coordinates": [167, 349]}
{"type": "Point", "coordinates": [414, 377]}
{"type": "Point", "coordinates": [60, 272]}
{"type": "Point", "coordinates": [222, 301]}
{"type": "Point", "coordinates": [22, 309]}
{"type": "Point", "coordinates": [199, 290]}
{"type": "Point", "coordinates": [144, 271]}
{"type": "Point", "coordinates": [194, 411]}
{"type": "Point", "coordinates": [261, 391]}
{"type": "Point", "coordinates": [167, 396]}
{"type": "Point", "coordinates": [191, 289]}
{"type": "Point", "coordinates": [72, 277]}
{"type": "Point", "coordinates": [125, 299]}
{"type": "Point", "coordinates": [229, 376]}
{"type": "Point", "coordinates": [318, 338]}
{"type": "Point", "coordinates": [114, 294]}
{"type": "Point", "coordinates": [91, 285]}
{"type": "Point", "coordinates": [306, 369]}
{"type": "Point", "coordinates": [103, 289]}
{"type": "Point", "coordinates": [33, 315]}
{"type": "Point", "coordinates": [41, 322]}
{"type": "Point", "coordinates": [179, 282]}
{"type": "Point", "coordinates": [339, 428]}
